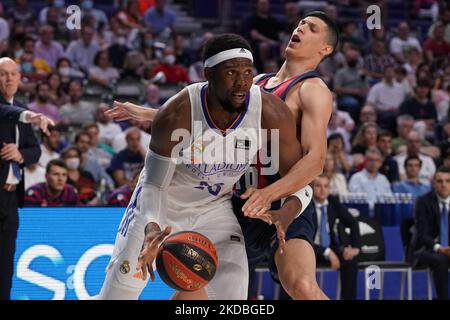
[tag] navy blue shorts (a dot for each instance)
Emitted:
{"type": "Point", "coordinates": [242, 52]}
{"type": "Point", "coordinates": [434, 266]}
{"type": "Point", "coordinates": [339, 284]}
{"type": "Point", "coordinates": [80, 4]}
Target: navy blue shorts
{"type": "Point", "coordinates": [261, 239]}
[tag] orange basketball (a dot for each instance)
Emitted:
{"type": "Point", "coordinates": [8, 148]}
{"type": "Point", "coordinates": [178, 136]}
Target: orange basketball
{"type": "Point", "coordinates": [187, 261]}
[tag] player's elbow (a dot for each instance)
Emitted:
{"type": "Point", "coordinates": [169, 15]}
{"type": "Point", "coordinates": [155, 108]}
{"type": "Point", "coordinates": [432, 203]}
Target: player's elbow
{"type": "Point", "coordinates": [317, 162]}
{"type": "Point", "coordinates": [319, 165]}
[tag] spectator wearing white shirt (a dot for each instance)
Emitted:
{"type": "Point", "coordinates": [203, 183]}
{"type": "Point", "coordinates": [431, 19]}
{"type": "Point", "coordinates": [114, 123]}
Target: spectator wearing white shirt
{"type": "Point", "coordinates": [386, 96]}
{"type": "Point", "coordinates": [81, 52]}
{"type": "Point", "coordinates": [100, 152]}
{"type": "Point", "coordinates": [76, 111]}
{"type": "Point", "coordinates": [120, 143]}
{"type": "Point", "coordinates": [369, 180]}
{"type": "Point", "coordinates": [108, 130]}
{"type": "Point", "coordinates": [153, 97]}
{"type": "Point", "coordinates": [103, 73]}
{"type": "Point", "coordinates": [403, 42]}
{"type": "Point", "coordinates": [413, 143]}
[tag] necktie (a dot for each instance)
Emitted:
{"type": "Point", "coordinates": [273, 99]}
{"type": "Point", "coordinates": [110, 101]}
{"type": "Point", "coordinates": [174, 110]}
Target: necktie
{"type": "Point", "coordinates": [444, 225]}
{"type": "Point", "coordinates": [16, 170]}
{"type": "Point", "coordinates": [324, 235]}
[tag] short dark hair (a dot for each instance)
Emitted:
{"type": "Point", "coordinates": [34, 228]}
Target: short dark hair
{"type": "Point", "coordinates": [223, 42]}
{"type": "Point", "coordinates": [332, 28]}
{"type": "Point", "coordinates": [39, 84]}
{"type": "Point", "coordinates": [323, 175]}
{"type": "Point", "coordinates": [55, 163]}
{"type": "Point", "coordinates": [51, 128]}
{"type": "Point", "coordinates": [89, 125]}
{"type": "Point", "coordinates": [81, 133]}
{"type": "Point", "coordinates": [412, 158]}
{"type": "Point", "coordinates": [66, 151]}
{"type": "Point", "coordinates": [401, 70]}
{"type": "Point", "coordinates": [442, 169]}
{"type": "Point", "coordinates": [97, 56]}
{"type": "Point", "coordinates": [383, 133]}
{"type": "Point", "coordinates": [335, 136]}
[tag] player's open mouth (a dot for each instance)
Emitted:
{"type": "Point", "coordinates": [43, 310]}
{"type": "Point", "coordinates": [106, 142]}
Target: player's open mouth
{"type": "Point", "coordinates": [295, 39]}
{"type": "Point", "coordinates": [239, 96]}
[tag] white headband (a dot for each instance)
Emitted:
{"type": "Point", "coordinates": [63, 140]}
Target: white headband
{"type": "Point", "coordinates": [227, 55]}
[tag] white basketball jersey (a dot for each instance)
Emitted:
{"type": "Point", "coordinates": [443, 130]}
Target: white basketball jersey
{"type": "Point", "coordinates": [215, 160]}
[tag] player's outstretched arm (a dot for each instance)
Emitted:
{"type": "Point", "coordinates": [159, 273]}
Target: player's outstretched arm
{"type": "Point", "coordinates": [127, 110]}
{"type": "Point", "coordinates": [160, 164]}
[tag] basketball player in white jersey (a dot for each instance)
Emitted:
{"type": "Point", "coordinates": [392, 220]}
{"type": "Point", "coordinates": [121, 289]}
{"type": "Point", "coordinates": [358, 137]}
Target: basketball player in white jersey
{"type": "Point", "coordinates": [173, 194]}
{"type": "Point", "coordinates": [310, 102]}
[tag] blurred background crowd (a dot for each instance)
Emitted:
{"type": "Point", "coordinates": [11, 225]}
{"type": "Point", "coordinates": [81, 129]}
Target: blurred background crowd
{"type": "Point", "coordinates": [390, 126]}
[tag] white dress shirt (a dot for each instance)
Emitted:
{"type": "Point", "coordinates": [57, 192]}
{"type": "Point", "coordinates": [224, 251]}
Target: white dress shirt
{"type": "Point", "coordinates": [11, 179]}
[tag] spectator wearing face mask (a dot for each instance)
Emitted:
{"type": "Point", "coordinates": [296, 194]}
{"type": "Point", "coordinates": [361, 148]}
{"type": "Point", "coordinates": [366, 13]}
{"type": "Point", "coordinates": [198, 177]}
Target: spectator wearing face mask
{"type": "Point", "coordinates": [118, 49]}
{"type": "Point", "coordinates": [82, 180]}
{"type": "Point", "coordinates": [55, 4]}
{"type": "Point", "coordinates": [42, 104]}
{"type": "Point", "coordinates": [174, 73]}
{"type": "Point", "coordinates": [99, 17]}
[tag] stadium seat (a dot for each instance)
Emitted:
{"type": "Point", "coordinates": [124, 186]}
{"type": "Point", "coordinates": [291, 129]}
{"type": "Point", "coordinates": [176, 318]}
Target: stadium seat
{"type": "Point", "coordinates": [372, 255]}
{"type": "Point", "coordinates": [406, 233]}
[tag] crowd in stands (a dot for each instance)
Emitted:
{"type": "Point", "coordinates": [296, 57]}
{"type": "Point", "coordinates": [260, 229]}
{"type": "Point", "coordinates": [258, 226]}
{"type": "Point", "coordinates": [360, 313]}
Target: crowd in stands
{"type": "Point", "coordinates": [389, 130]}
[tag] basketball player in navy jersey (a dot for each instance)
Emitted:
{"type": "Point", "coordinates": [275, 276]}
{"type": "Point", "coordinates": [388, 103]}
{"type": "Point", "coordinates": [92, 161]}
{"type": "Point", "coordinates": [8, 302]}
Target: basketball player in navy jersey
{"type": "Point", "coordinates": [310, 101]}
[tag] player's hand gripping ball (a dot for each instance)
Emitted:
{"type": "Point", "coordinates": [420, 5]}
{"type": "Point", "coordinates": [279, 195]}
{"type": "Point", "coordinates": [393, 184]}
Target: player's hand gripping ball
{"type": "Point", "coordinates": [187, 261]}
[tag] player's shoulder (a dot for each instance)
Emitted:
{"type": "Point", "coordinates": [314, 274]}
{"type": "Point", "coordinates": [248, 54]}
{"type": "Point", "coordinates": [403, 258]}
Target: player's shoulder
{"type": "Point", "coordinates": [175, 111]}
{"type": "Point", "coordinates": [313, 89]}
{"type": "Point", "coordinates": [315, 83]}
{"type": "Point", "coordinates": [273, 108]}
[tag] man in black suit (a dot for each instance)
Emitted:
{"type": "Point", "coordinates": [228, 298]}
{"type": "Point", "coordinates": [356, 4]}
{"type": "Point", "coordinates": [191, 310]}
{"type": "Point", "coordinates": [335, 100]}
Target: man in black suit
{"type": "Point", "coordinates": [18, 148]}
{"type": "Point", "coordinates": [430, 240]}
{"type": "Point", "coordinates": [328, 211]}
